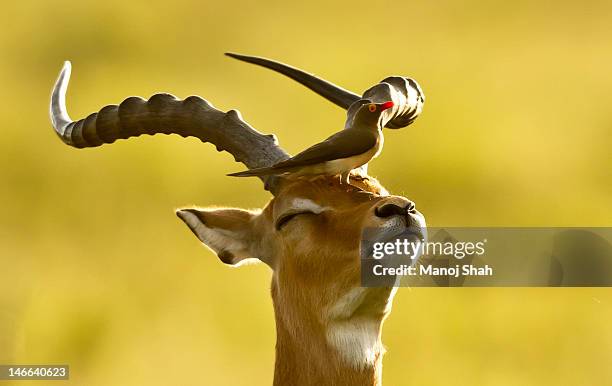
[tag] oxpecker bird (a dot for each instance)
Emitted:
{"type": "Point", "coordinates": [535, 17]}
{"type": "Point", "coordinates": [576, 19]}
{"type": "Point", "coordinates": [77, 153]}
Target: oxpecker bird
{"type": "Point", "coordinates": [339, 154]}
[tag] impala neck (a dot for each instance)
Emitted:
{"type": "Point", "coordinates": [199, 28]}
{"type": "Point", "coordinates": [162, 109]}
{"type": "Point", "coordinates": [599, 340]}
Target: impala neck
{"type": "Point", "coordinates": [347, 353]}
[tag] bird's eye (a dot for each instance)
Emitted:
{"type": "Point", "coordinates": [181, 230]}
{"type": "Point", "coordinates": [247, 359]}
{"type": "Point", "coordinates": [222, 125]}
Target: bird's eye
{"type": "Point", "coordinates": [372, 107]}
{"type": "Point", "coordinates": [285, 218]}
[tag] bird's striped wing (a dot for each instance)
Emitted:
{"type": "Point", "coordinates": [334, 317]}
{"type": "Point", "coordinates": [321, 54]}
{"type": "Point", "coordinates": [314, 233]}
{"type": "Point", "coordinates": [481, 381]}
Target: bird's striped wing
{"type": "Point", "coordinates": [344, 144]}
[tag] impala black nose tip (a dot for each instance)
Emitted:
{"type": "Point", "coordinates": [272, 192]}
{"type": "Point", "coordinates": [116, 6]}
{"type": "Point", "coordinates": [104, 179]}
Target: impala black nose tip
{"type": "Point", "coordinates": [390, 209]}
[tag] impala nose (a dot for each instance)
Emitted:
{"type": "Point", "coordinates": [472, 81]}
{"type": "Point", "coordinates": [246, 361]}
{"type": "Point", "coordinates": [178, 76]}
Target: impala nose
{"type": "Point", "coordinates": [390, 209]}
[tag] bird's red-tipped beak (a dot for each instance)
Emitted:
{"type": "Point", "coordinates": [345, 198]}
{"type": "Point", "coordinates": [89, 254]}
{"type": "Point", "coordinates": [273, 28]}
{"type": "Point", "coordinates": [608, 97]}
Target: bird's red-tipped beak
{"type": "Point", "coordinates": [386, 105]}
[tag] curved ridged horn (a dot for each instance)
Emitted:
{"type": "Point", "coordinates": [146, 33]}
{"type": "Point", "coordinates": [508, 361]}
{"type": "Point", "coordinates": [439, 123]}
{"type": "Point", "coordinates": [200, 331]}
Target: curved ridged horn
{"type": "Point", "coordinates": [165, 114]}
{"type": "Point", "coordinates": [327, 90]}
{"type": "Point", "coordinates": [406, 94]}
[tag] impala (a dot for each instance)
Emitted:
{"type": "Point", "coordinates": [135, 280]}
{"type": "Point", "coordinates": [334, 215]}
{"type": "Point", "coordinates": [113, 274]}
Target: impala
{"type": "Point", "coordinates": [328, 326]}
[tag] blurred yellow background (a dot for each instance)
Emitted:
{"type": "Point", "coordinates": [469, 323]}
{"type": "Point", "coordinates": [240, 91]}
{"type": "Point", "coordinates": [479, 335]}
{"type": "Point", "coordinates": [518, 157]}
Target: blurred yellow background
{"type": "Point", "coordinates": [97, 272]}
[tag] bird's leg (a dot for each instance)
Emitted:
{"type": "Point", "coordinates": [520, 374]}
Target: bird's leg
{"type": "Point", "coordinates": [347, 180]}
{"type": "Point", "coordinates": [344, 178]}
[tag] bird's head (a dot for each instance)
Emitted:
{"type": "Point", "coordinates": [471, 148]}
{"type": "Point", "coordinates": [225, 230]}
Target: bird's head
{"type": "Point", "coordinates": [369, 113]}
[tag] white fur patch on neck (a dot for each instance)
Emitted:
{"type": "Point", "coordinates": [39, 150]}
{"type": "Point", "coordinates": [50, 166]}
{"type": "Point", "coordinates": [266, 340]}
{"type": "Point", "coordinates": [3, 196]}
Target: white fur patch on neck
{"type": "Point", "coordinates": [357, 340]}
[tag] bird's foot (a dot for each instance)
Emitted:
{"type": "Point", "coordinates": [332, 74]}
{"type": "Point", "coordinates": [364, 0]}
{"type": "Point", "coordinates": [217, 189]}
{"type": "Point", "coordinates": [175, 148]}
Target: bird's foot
{"type": "Point", "coordinates": [345, 178]}
{"type": "Point", "coordinates": [352, 186]}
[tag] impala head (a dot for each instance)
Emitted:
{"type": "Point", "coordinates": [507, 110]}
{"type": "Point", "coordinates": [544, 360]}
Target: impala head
{"type": "Point", "coordinates": [309, 233]}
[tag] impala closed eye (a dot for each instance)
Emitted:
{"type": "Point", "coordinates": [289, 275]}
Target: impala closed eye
{"type": "Point", "coordinates": [285, 218]}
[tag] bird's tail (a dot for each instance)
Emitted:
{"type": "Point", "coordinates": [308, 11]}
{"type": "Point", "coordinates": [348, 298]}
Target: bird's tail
{"type": "Point", "coordinates": [258, 172]}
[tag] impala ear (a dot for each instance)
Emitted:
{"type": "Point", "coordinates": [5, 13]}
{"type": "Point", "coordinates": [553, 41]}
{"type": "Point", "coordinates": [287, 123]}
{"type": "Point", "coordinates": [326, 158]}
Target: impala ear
{"type": "Point", "coordinates": [228, 232]}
